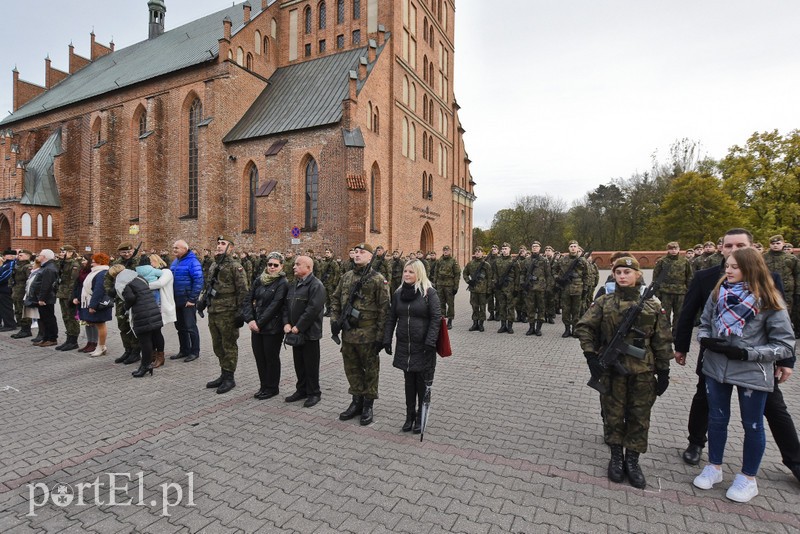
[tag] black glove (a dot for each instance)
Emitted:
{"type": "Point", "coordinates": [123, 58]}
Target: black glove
{"type": "Point", "coordinates": [662, 381]}
{"type": "Point", "coordinates": [430, 350]}
{"type": "Point", "coordinates": [378, 345]}
{"type": "Point", "coordinates": [388, 348]}
{"type": "Point", "coordinates": [595, 368]}
{"type": "Point", "coordinates": [723, 346]}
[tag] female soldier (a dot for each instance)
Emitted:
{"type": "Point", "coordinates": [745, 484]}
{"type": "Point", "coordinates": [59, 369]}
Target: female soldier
{"type": "Point", "coordinates": [629, 398]}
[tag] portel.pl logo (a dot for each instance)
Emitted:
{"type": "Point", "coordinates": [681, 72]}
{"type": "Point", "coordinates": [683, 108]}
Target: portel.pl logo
{"type": "Point", "coordinates": [110, 489]}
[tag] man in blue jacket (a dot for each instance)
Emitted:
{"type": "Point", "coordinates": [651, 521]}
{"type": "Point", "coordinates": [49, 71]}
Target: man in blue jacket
{"type": "Point", "coordinates": [188, 282]}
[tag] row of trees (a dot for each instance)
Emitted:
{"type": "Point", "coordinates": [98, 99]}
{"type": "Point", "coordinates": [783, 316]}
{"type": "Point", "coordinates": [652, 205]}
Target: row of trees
{"type": "Point", "coordinates": [687, 198]}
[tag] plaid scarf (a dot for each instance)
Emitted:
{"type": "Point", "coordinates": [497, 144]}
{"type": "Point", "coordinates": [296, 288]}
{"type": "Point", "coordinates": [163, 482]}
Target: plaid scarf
{"type": "Point", "coordinates": [735, 305]}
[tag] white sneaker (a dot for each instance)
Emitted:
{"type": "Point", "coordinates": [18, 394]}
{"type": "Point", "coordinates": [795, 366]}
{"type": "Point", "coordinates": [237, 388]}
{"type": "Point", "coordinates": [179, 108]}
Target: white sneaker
{"type": "Point", "coordinates": [743, 489]}
{"type": "Point", "coordinates": [710, 476]}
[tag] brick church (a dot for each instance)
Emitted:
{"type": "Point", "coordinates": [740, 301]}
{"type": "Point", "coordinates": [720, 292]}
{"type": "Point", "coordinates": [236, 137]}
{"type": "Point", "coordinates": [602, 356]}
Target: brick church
{"type": "Point", "coordinates": [336, 118]}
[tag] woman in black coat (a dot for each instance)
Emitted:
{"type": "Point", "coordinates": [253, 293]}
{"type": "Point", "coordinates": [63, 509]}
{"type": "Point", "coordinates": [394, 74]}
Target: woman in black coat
{"type": "Point", "coordinates": [263, 312]}
{"type": "Point", "coordinates": [145, 315]}
{"type": "Point", "coordinates": [416, 313]}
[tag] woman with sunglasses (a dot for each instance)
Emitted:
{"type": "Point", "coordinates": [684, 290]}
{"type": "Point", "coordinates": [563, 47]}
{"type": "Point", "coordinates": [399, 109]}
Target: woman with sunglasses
{"type": "Point", "coordinates": [263, 312]}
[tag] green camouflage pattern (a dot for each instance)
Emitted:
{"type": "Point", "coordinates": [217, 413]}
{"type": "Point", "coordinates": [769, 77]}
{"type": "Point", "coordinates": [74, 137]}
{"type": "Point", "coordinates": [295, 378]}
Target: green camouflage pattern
{"type": "Point", "coordinates": [448, 273]}
{"type": "Point", "coordinates": [788, 266]}
{"type": "Point", "coordinates": [678, 277]}
{"type": "Point", "coordinates": [505, 287]}
{"type": "Point", "coordinates": [67, 275]}
{"type": "Point", "coordinates": [19, 278]}
{"type": "Point", "coordinates": [372, 302]}
{"type": "Point", "coordinates": [362, 366]}
{"type": "Point", "coordinates": [231, 286]}
{"type": "Point", "coordinates": [224, 339]}
{"type": "Point", "coordinates": [579, 278]}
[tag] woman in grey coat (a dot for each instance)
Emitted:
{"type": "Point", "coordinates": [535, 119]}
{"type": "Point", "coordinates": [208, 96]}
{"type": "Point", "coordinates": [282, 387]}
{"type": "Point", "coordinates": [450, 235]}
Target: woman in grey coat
{"type": "Point", "coordinates": [745, 328]}
{"type": "Point", "coordinates": [416, 314]}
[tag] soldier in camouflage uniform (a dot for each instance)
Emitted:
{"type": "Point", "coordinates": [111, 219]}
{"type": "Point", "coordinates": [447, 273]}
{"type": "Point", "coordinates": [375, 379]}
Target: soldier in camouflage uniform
{"type": "Point", "coordinates": [426, 263]}
{"type": "Point", "coordinates": [448, 276]}
{"type": "Point", "coordinates": [706, 259]}
{"type": "Point", "coordinates": [288, 266]}
{"type": "Point", "coordinates": [478, 275]}
{"type": "Point", "coordinates": [223, 296]}
{"type": "Point", "coordinates": [628, 399]}
{"type": "Point", "coordinates": [397, 264]}
{"type": "Point", "coordinates": [505, 278]}
{"type": "Point", "coordinates": [520, 306]}
{"type": "Point", "coordinates": [787, 265]}
{"type": "Point", "coordinates": [22, 271]}
{"type": "Point", "coordinates": [125, 257]}
{"type": "Point", "coordinates": [572, 292]}
{"type": "Point", "coordinates": [490, 294]}
{"type": "Point", "coordinates": [206, 262]}
{"type": "Point", "coordinates": [534, 279]}
{"type": "Point", "coordinates": [350, 264]}
{"type": "Point", "coordinates": [594, 280]}
{"type": "Point", "coordinates": [673, 288]}
{"type": "Point", "coordinates": [246, 260]}
{"type": "Point", "coordinates": [69, 265]}
{"type": "Point", "coordinates": [329, 276]}
{"type": "Point", "coordinates": [363, 341]}
{"type": "Point", "coordinates": [550, 295]}
{"type": "Point", "coordinates": [381, 264]}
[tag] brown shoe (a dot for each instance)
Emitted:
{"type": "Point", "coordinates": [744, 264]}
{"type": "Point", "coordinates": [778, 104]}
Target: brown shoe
{"type": "Point", "coordinates": [89, 348]}
{"type": "Point", "coordinates": [158, 359]}
{"type": "Point", "coordinates": [47, 343]}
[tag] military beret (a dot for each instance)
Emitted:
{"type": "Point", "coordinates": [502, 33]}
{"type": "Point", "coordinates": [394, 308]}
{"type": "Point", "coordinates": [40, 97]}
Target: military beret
{"type": "Point", "coordinates": [709, 244]}
{"type": "Point", "coordinates": [573, 242]}
{"type": "Point", "coordinates": [548, 247]}
{"type": "Point", "coordinates": [125, 245]}
{"type": "Point", "coordinates": [699, 245]}
{"type": "Point", "coordinates": [67, 248]}
{"type": "Point", "coordinates": [506, 244]}
{"type": "Point", "coordinates": [495, 246]}
{"type": "Point", "coordinates": [9, 252]}
{"type": "Point", "coordinates": [224, 237]}
{"type": "Point", "coordinates": [310, 251]}
{"type": "Point", "coordinates": [26, 251]}
{"type": "Point", "coordinates": [328, 250]}
{"type": "Point", "coordinates": [789, 245]}
{"type": "Point", "coordinates": [478, 249]}
{"type": "Point", "coordinates": [673, 244]}
{"type": "Point", "coordinates": [379, 247]}
{"type": "Point", "coordinates": [626, 261]}
{"type": "Point", "coordinates": [536, 244]}
{"type": "Point", "coordinates": [365, 246]}
{"type": "Point", "coordinates": [446, 247]}
{"type": "Point", "coordinates": [776, 238]}
{"type": "Point", "coordinates": [720, 240]}
{"type": "Point", "coordinates": [418, 252]}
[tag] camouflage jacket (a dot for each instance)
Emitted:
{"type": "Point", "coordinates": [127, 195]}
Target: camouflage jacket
{"type": "Point", "coordinates": [600, 322]}
{"type": "Point", "coordinates": [329, 273]}
{"type": "Point", "coordinates": [579, 277]}
{"type": "Point", "coordinates": [479, 271]}
{"type": "Point", "coordinates": [505, 274]}
{"type": "Point", "coordinates": [534, 274]}
{"type": "Point", "coordinates": [19, 278]}
{"type": "Point", "coordinates": [448, 272]}
{"type": "Point", "coordinates": [68, 274]}
{"type": "Point", "coordinates": [230, 287]}
{"type": "Point", "coordinates": [288, 269]}
{"type": "Point", "coordinates": [788, 266]}
{"type": "Point", "coordinates": [679, 274]}
{"type": "Point", "coordinates": [372, 302]}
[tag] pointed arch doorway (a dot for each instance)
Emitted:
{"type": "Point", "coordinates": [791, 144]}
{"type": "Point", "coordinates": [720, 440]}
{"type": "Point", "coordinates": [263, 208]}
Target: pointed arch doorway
{"type": "Point", "coordinates": [5, 233]}
{"type": "Point", "coordinates": [426, 238]}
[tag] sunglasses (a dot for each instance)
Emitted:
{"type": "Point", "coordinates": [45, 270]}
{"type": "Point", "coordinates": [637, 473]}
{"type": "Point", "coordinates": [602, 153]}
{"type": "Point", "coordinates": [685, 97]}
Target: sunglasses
{"type": "Point", "coordinates": [273, 265]}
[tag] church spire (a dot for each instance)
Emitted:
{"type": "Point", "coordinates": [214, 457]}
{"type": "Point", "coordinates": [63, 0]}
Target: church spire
{"type": "Point", "coordinates": [157, 11]}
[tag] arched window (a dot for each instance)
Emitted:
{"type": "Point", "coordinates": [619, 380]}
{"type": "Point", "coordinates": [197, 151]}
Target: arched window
{"type": "Point", "coordinates": [49, 225]}
{"type": "Point", "coordinates": [195, 116]}
{"type": "Point", "coordinates": [308, 19]}
{"type": "Point", "coordinates": [430, 73]}
{"type": "Point", "coordinates": [431, 36]}
{"type": "Point", "coordinates": [430, 148]}
{"type": "Point", "coordinates": [374, 199]}
{"type": "Point", "coordinates": [412, 97]}
{"type": "Point", "coordinates": [369, 116]}
{"type": "Point", "coordinates": [251, 205]}
{"type": "Point", "coordinates": [249, 61]}
{"type": "Point", "coordinates": [356, 9]}
{"type": "Point", "coordinates": [273, 28]}
{"type": "Point", "coordinates": [312, 194]}
{"type": "Point", "coordinates": [430, 187]}
{"type": "Point", "coordinates": [322, 16]}
{"type": "Point", "coordinates": [257, 40]}
{"type": "Point", "coordinates": [404, 135]}
{"type": "Point", "coordinates": [425, 68]}
{"type": "Point", "coordinates": [424, 185]}
{"type": "Point", "coordinates": [230, 55]}
{"type": "Point", "coordinates": [425, 107]}
{"type": "Point", "coordinates": [439, 10]}
{"type": "Point", "coordinates": [376, 120]}
{"type": "Point", "coordinates": [96, 128]}
{"type": "Point", "coordinates": [412, 142]}
{"type": "Point", "coordinates": [441, 160]}
{"type": "Point", "coordinates": [39, 225]}
{"type": "Point", "coordinates": [424, 145]}
{"type": "Point", "coordinates": [25, 222]}
{"type": "Point", "coordinates": [340, 11]}
{"type": "Point", "coordinates": [240, 56]}
{"type": "Point", "coordinates": [430, 112]}
{"type": "Point", "coordinates": [425, 29]}
{"type": "Point", "coordinates": [143, 123]}
{"type": "Point", "coordinates": [441, 121]}
{"type": "Point", "coordinates": [266, 47]}
{"type": "Point", "coordinates": [405, 90]}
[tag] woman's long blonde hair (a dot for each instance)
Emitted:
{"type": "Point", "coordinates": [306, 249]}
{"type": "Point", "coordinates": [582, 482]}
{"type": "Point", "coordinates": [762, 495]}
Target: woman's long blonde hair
{"type": "Point", "coordinates": [756, 275]}
{"type": "Point", "coordinates": [423, 283]}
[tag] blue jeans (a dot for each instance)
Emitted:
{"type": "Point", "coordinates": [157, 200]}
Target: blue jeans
{"type": "Point", "coordinates": [751, 407]}
{"type": "Point", "coordinates": [188, 335]}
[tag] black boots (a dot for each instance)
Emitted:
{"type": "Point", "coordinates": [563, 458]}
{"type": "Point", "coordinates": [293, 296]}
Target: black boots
{"type": "Point", "coordinates": [474, 326]}
{"type": "Point", "coordinates": [537, 330]}
{"type": "Point", "coordinates": [632, 469]}
{"type": "Point", "coordinates": [227, 383]}
{"type": "Point", "coordinates": [133, 357]}
{"type": "Point", "coordinates": [692, 454]}
{"type": "Point", "coordinates": [491, 317]}
{"type": "Point", "coordinates": [142, 371]}
{"type": "Point", "coordinates": [567, 331]}
{"type": "Point", "coordinates": [70, 344]}
{"type": "Point", "coordinates": [616, 471]}
{"type": "Point", "coordinates": [25, 331]}
{"type": "Point", "coordinates": [531, 330]}
{"type": "Point", "coordinates": [411, 413]}
{"type": "Point", "coordinates": [215, 383]}
{"type": "Point", "coordinates": [123, 357]}
{"type": "Point", "coordinates": [503, 328]}
{"type": "Point", "coordinates": [354, 409]}
{"type": "Point", "coordinates": [450, 324]}
{"type": "Point", "coordinates": [509, 327]}
{"type": "Point", "coordinates": [366, 412]}
{"type": "Point", "coordinates": [480, 326]}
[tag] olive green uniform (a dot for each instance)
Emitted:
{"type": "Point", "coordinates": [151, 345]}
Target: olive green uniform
{"type": "Point", "coordinates": [447, 278]}
{"type": "Point", "coordinates": [329, 276]}
{"type": "Point", "coordinates": [288, 269]}
{"type": "Point", "coordinates": [535, 276]}
{"type": "Point", "coordinates": [594, 279]}
{"type": "Point", "coordinates": [627, 404]}
{"type": "Point", "coordinates": [490, 293]}
{"type": "Point", "coordinates": [363, 341]}
{"type": "Point", "coordinates": [676, 283]}
{"type": "Point", "coordinates": [397, 274]}
{"type": "Point", "coordinates": [129, 341]}
{"type": "Point", "coordinates": [224, 310]}
{"type": "Point", "coordinates": [22, 270]}
{"type": "Point", "coordinates": [505, 276]}
{"type": "Point", "coordinates": [68, 274]}
{"type": "Point", "coordinates": [572, 294]}
{"type": "Point", "coordinates": [550, 295]}
{"type": "Point", "coordinates": [478, 275]}
{"type": "Point", "coordinates": [788, 266]}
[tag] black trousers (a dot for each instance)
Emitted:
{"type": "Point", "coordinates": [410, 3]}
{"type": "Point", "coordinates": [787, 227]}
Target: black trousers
{"type": "Point", "coordinates": [267, 351]}
{"type": "Point", "coordinates": [48, 327]}
{"type": "Point", "coordinates": [158, 340]}
{"type": "Point", "coordinates": [146, 344]}
{"type": "Point", "coordinates": [415, 390]}
{"type": "Point", "coordinates": [7, 310]}
{"type": "Point", "coordinates": [306, 366]}
{"type": "Point", "coordinates": [777, 415]}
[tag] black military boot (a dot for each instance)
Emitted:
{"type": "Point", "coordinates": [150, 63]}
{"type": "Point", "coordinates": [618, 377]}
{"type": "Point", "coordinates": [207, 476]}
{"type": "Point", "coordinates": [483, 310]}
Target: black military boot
{"type": "Point", "coordinates": [25, 331]}
{"type": "Point", "coordinates": [632, 469]}
{"type": "Point", "coordinates": [474, 326]}
{"type": "Point", "coordinates": [133, 357]}
{"type": "Point", "coordinates": [70, 344]}
{"type": "Point", "coordinates": [616, 470]}
{"type": "Point", "coordinates": [480, 326]}
{"type": "Point", "coordinates": [503, 327]}
{"type": "Point", "coordinates": [38, 338]}
{"type": "Point", "coordinates": [510, 327]}
{"type": "Point", "coordinates": [354, 409]}
{"type": "Point", "coordinates": [491, 317]}
{"type": "Point", "coordinates": [551, 320]}
{"type": "Point", "coordinates": [366, 412]}
{"type": "Point", "coordinates": [567, 331]}
{"type": "Point", "coordinates": [531, 330]}
{"type": "Point", "coordinates": [123, 357]}
{"type": "Point", "coordinates": [215, 383]}
{"type": "Point", "coordinates": [449, 324]}
{"type": "Point", "coordinates": [227, 383]}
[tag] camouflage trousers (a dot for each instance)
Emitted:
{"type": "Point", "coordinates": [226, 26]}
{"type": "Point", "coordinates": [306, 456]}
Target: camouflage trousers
{"type": "Point", "coordinates": [550, 303]}
{"type": "Point", "coordinates": [447, 297]}
{"type": "Point", "coordinates": [672, 304]}
{"type": "Point", "coordinates": [224, 337]}
{"type": "Point", "coordinates": [520, 303]}
{"type": "Point", "coordinates": [571, 306]}
{"type": "Point", "coordinates": [129, 341]}
{"type": "Point", "coordinates": [504, 309]}
{"type": "Point", "coordinates": [478, 303]}
{"type": "Point", "coordinates": [362, 367]}
{"type": "Point", "coordinates": [534, 303]}
{"type": "Point", "coordinates": [490, 301]}
{"type": "Point", "coordinates": [329, 289]}
{"type": "Point", "coordinates": [627, 409]}
{"type": "Point", "coordinates": [68, 311]}
{"type": "Point", "coordinates": [19, 308]}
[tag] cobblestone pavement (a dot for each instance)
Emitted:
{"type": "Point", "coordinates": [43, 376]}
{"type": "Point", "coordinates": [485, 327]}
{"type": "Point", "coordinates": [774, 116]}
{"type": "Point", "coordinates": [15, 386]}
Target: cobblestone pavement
{"type": "Point", "coordinates": [513, 445]}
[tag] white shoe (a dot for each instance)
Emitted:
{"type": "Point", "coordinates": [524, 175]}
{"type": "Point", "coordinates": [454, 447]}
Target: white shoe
{"type": "Point", "coordinates": [710, 476]}
{"type": "Point", "coordinates": [743, 489]}
{"type": "Point", "coordinates": [99, 351]}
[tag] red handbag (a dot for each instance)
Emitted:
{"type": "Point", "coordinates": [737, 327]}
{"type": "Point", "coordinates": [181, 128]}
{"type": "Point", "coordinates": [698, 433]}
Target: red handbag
{"type": "Point", "coordinates": [443, 341]}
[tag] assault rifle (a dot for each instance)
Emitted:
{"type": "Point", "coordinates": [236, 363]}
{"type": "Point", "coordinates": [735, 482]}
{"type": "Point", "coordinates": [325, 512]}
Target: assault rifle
{"type": "Point", "coordinates": [566, 277]}
{"type": "Point", "coordinates": [503, 281]}
{"type": "Point", "coordinates": [609, 358]}
{"type": "Point", "coordinates": [348, 311]}
{"type": "Point", "coordinates": [526, 284]}
{"type": "Point", "coordinates": [208, 295]}
{"type": "Point", "coordinates": [475, 278]}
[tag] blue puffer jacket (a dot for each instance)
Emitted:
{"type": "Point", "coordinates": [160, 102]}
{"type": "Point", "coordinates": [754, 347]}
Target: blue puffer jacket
{"type": "Point", "coordinates": [188, 283]}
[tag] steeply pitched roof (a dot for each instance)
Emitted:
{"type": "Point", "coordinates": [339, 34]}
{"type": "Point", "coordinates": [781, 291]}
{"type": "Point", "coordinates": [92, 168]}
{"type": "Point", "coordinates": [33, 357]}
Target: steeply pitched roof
{"type": "Point", "coordinates": [185, 46]}
{"type": "Point", "coordinates": [303, 95]}
{"type": "Point", "coordinates": [40, 188]}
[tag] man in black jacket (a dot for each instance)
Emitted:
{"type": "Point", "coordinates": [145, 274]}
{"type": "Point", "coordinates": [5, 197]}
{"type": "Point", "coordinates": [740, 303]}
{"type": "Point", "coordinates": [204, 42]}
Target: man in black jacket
{"type": "Point", "coordinates": [780, 422]}
{"type": "Point", "coordinates": [305, 305]}
{"type": "Point", "coordinates": [44, 293]}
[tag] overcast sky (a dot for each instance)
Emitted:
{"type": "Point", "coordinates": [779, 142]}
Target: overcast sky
{"type": "Point", "coordinates": [556, 96]}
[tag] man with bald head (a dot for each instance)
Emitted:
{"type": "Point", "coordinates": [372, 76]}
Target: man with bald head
{"type": "Point", "coordinates": [188, 282]}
